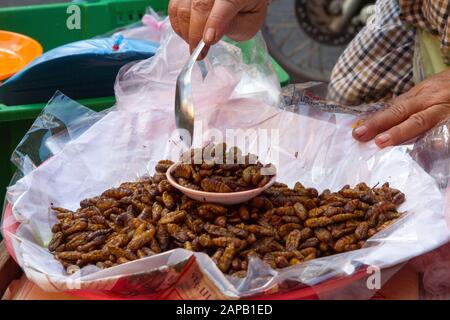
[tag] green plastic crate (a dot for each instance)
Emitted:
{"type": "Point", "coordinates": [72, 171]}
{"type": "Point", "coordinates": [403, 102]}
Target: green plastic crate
{"type": "Point", "coordinates": [47, 24]}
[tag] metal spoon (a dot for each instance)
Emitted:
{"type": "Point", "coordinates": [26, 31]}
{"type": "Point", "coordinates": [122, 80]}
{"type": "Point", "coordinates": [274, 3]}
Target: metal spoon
{"type": "Point", "coordinates": [184, 102]}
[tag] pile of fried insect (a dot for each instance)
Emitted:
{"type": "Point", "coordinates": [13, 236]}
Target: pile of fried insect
{"type": "Point", "coordinates": [283, 226]}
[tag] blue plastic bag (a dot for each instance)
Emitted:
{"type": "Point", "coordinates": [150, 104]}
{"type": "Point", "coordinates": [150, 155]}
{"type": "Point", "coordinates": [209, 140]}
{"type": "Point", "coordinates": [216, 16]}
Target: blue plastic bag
{"type": "Point", "coordinates": [83, 69]}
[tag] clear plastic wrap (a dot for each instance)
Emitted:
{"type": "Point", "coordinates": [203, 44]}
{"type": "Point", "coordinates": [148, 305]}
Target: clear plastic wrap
{"type": "Point", "coordinates": [432, 152]}
{"type": "Point", "coordinates": [123, 144]}
{"type": "Point", "coordinates": [61, 121]}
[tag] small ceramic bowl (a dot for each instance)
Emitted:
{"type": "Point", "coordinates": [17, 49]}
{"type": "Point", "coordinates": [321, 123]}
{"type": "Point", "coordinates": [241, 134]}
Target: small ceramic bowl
{"type": "Point", "coordinates": [219, 198]}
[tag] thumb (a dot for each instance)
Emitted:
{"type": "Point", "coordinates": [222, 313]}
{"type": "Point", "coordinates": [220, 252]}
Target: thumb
{"type": "Point", "coordinates": [222, 13]}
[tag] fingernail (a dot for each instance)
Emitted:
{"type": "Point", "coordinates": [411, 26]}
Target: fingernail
{"type": "Point", "coordinates": [360, 131]}
{"type": "Point", "coordinates": [383, 138]}
{"type": "Point", "coordinates": [210, 35]}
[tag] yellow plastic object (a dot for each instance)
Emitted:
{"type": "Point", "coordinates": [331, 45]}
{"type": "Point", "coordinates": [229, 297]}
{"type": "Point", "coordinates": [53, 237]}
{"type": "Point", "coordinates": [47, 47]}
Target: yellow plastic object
{"type": "Point", "coordinates": [428, 59]}
{"type": "Point", "coordinates": [16, 51]}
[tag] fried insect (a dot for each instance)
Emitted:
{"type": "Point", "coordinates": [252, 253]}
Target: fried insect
{"type": "Point", "coordinates": [185, 183]}
{"type": "Point", "coordinates": [225, 260]}
{"type": "Point", "coordinates": [93, 244]}
{"type": "Point", "coordinates": [342, 244]}
{"type": "Point", "coordinates": [217, 231]}
{"type": "Point", "coordinates": [215, 185]}
{"type": "Point", "coordinates": [163, 235]}
{"type": "Point", "coordinates": [139, 240]}
{"type": "Point", "coordinates": [56, 241]}
{"type": "Point", "coordinates": [74, 227]}
{"type": "Point", "coordinates": [214, 208]}
{"type": "Point", "coordinates": [362, 230]}
{"type": "Point", "coordinates": [182, 171]}
{"type": "Point", "coordinates": [260, 230]}
{"type": "Point", "coordinates": [122, 253]}
{"type": "Point", "coordinates": [119, 240]}
{"type": "Point", "coordinates": [323, 235]}
{"type": "Point", "coordinates": [162, 166]}
{"type": "Point", "coordinates": [301, 211]}
{"type": "Point", "coordinates": [293, 240]}
{"type": "Point", "coordinates": [285, 211]}
{"type": "Point", "coordinates": [96, 255]}
{"type": "Point", "coordinates": [217, 255]}
{"type": "Point", "coordinates": [68, 255]}
{"type": "Point", "coordinates": [318, 222]}
{"type": "Point", "coordinates": [173, 217]}
{"type": "Point", "coordinates": [168, 200]}
{"type": "Point", "coordinates": [225, 241]}
{"type": "Point", "coordinates": [238, 232]}
{"type": "Point", "coordinates": [117, 193]}
{"type": "Point", "coordinates": [177, 232]}
{"type": "Point", "coordinates": [285, 229]}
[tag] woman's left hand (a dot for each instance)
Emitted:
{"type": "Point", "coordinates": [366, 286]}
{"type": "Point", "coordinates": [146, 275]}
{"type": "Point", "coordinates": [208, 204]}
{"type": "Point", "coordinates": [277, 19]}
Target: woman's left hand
{"type": "Point", "coordinates": [410, 114]}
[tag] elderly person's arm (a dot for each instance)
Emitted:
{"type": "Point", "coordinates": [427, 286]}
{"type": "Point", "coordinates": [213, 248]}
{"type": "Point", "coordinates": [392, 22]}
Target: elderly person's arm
{"type": "Point", "coordinates": [410, 114]}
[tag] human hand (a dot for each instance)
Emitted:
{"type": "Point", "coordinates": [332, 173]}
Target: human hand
{"type": "Point", "coordinates": [210, 20]}
{"type": "Point", "coordinates": [410, 114]}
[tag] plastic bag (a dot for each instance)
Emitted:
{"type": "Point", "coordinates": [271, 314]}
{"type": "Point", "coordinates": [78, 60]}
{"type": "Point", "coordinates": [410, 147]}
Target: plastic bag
{"type": "Point", "coordinates": [432, 152]}
{"type": "Point", "coordinates": [125, 143]}
{"type": "Point", "coordinates": [55, 70]}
